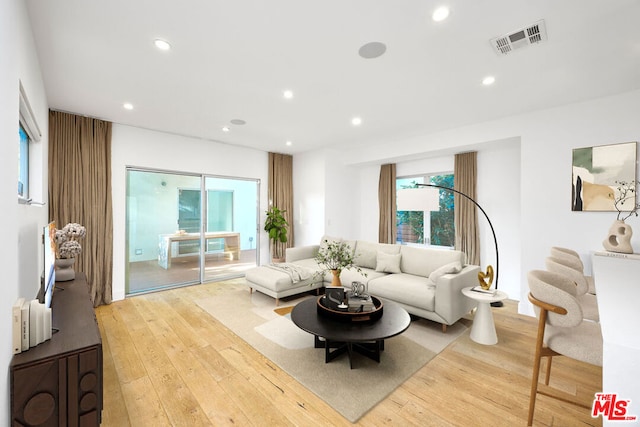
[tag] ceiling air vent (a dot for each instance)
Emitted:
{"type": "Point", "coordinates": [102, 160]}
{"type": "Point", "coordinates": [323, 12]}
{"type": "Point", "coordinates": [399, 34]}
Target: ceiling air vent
{"type": "Point", "coordinates": [520, 38]}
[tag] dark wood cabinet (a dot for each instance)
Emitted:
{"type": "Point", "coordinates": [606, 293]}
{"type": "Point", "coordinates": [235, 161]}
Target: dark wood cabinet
{"type": "Point", "coordinates": [59, 382]}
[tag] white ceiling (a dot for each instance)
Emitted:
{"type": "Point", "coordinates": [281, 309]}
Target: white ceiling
{"type": "Point", "coordinates": [233, 59]}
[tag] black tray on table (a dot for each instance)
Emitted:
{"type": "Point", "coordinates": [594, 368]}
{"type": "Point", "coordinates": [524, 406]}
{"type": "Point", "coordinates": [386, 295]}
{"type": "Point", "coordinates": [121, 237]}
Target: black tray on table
{"type": "Point", "coordinates": [349, 316]}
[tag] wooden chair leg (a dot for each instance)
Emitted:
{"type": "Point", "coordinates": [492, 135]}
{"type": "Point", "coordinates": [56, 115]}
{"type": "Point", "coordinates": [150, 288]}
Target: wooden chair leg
{"type": "Point", "coordinates": [277, 301]}
{"type": "Point", "coordinates": [536, 365]}
{"type": "Point", "coordinates": [548, 374]}
{"type": "Point", "coordinates": [444, 328]}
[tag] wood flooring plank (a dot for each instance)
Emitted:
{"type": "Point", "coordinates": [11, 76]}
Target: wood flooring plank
{"type": "Point", "coordinates": [116, 412]}
{"type": "Point", "coordinates": [257, 407]}
{"type": "Point", "coordinates": [127, 363]}
{"type": "Point", "coordinates": [143, 404]}
{"type": "Point", "coordinates": [181, 407]}
{"type": "Point", "coordinates": [203, 386]}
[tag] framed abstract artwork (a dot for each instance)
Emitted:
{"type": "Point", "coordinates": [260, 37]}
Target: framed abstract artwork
{"type": "Point", "coordinates": [596, 172]}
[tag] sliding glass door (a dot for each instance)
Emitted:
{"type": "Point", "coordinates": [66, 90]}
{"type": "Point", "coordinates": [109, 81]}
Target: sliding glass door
{"type": "Point", "coordinates": [185, 229]}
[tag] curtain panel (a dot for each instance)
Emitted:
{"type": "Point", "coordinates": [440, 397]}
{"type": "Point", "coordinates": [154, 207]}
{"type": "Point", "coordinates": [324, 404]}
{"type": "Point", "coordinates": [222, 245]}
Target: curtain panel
{"type": "Point", "coordinates": [80, 192]}
{"type": "Point", "coordinates": [281, 195]}
{"type": "Point", "coordinates": [465, 213]}
{"type": "Point", "coordinates": [387, 203]}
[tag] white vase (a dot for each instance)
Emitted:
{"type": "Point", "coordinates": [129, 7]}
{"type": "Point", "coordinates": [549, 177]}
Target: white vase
{"type": "Point", "coordinates": [619, 238]}
{"type": "Point", "coordinates": [64, 269]}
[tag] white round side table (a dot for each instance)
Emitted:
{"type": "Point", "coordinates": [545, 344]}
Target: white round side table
{"type": "Point", "coordinates": [483, 330]}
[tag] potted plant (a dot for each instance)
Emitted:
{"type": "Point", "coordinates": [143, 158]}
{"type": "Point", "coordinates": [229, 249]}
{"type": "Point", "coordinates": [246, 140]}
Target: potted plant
{"type": "Point", "coordinates": [276, 226]}
{"type": "Point", "coordinates": [335, 257]}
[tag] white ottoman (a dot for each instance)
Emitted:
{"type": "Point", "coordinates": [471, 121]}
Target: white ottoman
{"type": "Point", "coordinates": [278, 284]}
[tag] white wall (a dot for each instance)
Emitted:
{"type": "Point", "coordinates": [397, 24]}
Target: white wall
{"type": "Point", "coordinates": [308, 198]}
{"type": "Point", "coordinates": [537, 189]}
{"type": "Point", "coordinates": [21, 268]}
{"type": "Point", "coordinates": [314, 174]}
{"type": "Point", "coordinates": [342, 209]}
{"type": "Point", "coordinates": [156, 150]}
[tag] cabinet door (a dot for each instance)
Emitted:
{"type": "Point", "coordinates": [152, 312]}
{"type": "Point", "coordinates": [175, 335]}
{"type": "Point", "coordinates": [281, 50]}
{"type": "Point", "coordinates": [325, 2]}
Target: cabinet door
{"type": "Point", "coordinates": [84, 388]}
{"type": "Point", "coordinates": [36, 394]}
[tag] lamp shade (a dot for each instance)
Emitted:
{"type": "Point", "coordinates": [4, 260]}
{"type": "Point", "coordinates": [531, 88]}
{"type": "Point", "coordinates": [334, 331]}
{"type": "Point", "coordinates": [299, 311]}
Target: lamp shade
{"type": "Point", "coordinates": [418, 199]}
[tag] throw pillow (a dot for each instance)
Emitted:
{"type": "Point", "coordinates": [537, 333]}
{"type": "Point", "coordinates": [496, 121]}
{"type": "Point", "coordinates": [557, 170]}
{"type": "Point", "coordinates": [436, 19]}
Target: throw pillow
{"type": "Point", "coordinates": [365, 254]}
{"type": "Point", "coordinates": [452, 267]}
{"type": "Point", "coordinates": [388, 263]}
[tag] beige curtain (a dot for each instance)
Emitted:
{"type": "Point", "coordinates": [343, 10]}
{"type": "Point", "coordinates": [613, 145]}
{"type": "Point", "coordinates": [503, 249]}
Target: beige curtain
{"type": "Point", "coordinates": [466, 214]}
{"type": "Point", "coordinates": [281, 195]}
{"type": "Point", "coordinates": [387, 203]}
{"type": "Point", "coordinates": [80, 191]}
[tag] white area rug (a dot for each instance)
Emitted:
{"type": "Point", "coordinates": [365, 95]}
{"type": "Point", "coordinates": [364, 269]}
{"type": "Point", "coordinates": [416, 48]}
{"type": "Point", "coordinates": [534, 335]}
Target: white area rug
{"type": "Point", "coordinates": [253, 319]}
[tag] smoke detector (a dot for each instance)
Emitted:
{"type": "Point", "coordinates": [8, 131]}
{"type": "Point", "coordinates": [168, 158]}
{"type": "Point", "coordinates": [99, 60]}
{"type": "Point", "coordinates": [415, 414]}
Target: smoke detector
{"type": "Point", "coordinates": [526, 36]}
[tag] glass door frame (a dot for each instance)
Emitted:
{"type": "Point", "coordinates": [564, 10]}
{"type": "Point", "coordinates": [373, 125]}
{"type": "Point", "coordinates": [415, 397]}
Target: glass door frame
{"type": "Point", "coordinates": [203, 224]}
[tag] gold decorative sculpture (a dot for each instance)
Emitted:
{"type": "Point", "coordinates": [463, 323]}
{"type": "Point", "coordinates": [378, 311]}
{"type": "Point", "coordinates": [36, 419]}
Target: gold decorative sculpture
{"type": "Point", "coordinates": [483, 277]}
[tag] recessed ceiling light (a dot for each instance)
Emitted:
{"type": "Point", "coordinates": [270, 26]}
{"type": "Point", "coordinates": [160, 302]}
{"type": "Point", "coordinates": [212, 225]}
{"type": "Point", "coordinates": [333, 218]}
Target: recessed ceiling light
{"type": "Point", "coordinates": [372, 50]}
{"type": "Point", "coordinates": [289, 143]}
{"type": "Point", "coordinates": [225, 129]}
{"type": "Point", "coordinates": [488, 81]}
{"type": "Point", "coordinates": [127, 106]}
{"type": "Point", "coordinates": [356, 121]}
{"type": "Point", "coordinates": [162, 44]}
{"type": "Point", "coordinates": [287, 94]}
{"type": "Point", "coordinates": [238, 122]}
{"type": "Point", "coordinates": [440, 14]}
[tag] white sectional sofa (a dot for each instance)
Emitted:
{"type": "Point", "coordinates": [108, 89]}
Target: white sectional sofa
{"type": "Point", "coordinates": [427, 282]}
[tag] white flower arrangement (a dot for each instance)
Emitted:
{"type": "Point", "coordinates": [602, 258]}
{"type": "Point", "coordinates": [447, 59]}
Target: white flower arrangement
{"type": "Point", "coordinates": [336, 256]}
{"type": "Point", "coordinates": [67, 240]}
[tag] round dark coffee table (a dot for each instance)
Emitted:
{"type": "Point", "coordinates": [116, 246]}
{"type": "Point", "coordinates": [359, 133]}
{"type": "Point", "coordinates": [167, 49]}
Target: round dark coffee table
{"type": "Point", "coordinates": [346, 337]}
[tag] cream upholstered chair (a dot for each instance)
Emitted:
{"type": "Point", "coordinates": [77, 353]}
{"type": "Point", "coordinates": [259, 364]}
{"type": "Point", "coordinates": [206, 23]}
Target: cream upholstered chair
{"type": "Point", "coordinates": [561, 332]}
{"type": "Point", "coordinates": [588, 302]}
{"type": "Point", "coordinates": [559, 252]}
{"type": "Point", "coordinates": [573, 258]}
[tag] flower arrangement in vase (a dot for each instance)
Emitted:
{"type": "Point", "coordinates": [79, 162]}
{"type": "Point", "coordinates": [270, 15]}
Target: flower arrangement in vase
{"type": "Point", "coordinates": [67, 249]}
{"type": "Point", "coordinates": [67, 245]}
{"type": "Point", "coordinates": [335, 257]}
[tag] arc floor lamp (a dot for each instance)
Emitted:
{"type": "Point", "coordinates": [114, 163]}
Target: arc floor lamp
{"type": "Point", "coordinates": [493, 232]}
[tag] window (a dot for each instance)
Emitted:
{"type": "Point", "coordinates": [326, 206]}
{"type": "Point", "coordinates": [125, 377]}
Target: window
{"type": "Point", "coordinates": [28, 132]}
{"type": "Point", "coordinates": [436, 228]}
{"type": "Point", "coordinates": [23, 164]}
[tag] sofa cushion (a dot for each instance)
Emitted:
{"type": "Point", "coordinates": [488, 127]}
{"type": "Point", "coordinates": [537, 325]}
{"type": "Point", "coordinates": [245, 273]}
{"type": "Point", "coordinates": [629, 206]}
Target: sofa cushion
{"type": "Point", "coordinates": [310, 263]}
{"type": "Point", "coordinates": [325, 239]}
{"type": "Point", "coordinates": [351, 275]}
{"type": "Point", "coordinates": [274, 279]}
{"type": "Point", "coordinates": [388, 263]}
{"type": "Point", "coordinates": [405, 288]}
{"type": "Point", "coordinates": [351, 244]}
{"type": "Point", "coordinates": [423, 261]}
{"type": "Point", "coordinates": [451, 268]}
{"type": "Point", "coordinates": [366, 252]}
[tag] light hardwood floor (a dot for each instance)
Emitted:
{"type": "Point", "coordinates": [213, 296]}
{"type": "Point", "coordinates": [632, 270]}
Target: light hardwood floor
{"type": "Point", "coordinates": [167, 362]}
